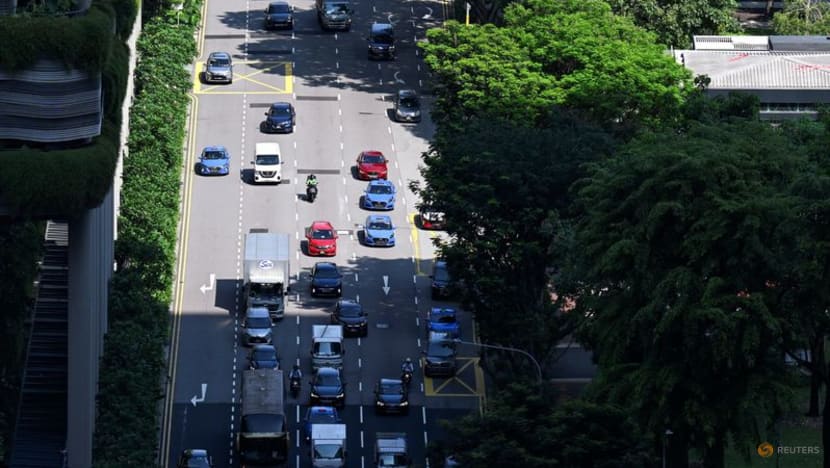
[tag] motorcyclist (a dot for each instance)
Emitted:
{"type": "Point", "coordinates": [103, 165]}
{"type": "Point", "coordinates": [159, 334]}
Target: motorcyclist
{"type": "Point", "coordinates": [311, 180]}
{"type": "Point", "coordinates": [407, 367]}
{"type": "Point", "coordinates": [296, 373]}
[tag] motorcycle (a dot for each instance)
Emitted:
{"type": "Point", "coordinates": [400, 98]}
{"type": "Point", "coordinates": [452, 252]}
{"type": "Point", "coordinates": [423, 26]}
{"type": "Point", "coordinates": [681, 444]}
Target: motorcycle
{"type": "Point", "coordinates": [295, 386]}
{"type": "Point", "coordinates": [311, 193]}
{"type": "Point", "coordinates": [406, 378]}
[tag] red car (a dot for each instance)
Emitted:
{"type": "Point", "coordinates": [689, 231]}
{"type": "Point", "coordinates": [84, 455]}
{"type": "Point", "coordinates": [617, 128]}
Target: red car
{"type": "Point", "coordinates": [371, 165]}
{"type": "Point", "coordinates": [322, 239]}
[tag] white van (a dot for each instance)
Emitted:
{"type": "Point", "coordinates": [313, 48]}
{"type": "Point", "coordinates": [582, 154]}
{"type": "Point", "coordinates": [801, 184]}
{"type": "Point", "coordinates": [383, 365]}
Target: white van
{"type": "Point", "coordinates": [268, 163]}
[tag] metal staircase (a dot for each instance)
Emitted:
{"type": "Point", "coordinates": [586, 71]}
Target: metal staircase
{"type": "Point", "coordinates": [40, 431]}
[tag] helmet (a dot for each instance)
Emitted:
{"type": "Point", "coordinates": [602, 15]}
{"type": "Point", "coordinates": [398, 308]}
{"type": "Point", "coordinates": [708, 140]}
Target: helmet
{"type": "Point", "coordinates": [408, 360]}
{"type": "Point", "coordinates": [296, 367]}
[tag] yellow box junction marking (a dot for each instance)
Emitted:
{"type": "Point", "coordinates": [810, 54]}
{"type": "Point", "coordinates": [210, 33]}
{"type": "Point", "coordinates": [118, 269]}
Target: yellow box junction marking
{"type": "Point", "coordinates": [430, 389]}
{"type": "Point", "coordinates": [202, 88]}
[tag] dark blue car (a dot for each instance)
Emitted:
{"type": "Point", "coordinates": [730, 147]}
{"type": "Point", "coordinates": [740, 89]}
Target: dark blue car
{"type": "Point", "coordinates": [214, 160]}
{"type": "Point", "coordinates": [318, 415]}
{"type": "Point", "coordinates": [328, 388]}
{"type": "Point", "coordinates": [326, 280]}
{"type": "Point", "coordinates": [444, 320]}
{"type": "Point", "coordinates": [279, 118]}
{"type": "Point", "coordinates": [279, 15]}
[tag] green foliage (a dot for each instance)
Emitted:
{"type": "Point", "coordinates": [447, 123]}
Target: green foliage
{"type": "Point", "coordinates": [21, 244]}
{"type": "Point", "coordinates": [676, 21]}
{"type": "Point", "coordinates": [126, 429]}
{"type": "Point", "coordinates": [684, 239]}
{"type": "Point", "coordinates": [803, 17]}
{"type": "Point", "coordinates": [571, 53]}
{"type": "Point", "coordinates": [510, 192]}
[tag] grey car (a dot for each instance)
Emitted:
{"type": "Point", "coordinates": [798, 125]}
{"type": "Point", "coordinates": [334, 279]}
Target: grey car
{"type": "Point", "coordinates": [407, 106]}
{"type": "Point", "coordinates": [219, 68]}
{"type": "Point", "coordinates": [439, 356]}
{"type": "Point", "coordinates": [257, 326]}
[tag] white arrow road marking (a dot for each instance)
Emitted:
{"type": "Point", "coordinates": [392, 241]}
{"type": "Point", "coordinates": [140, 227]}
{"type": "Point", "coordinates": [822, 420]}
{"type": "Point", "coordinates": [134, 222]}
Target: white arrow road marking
{"type": "Point", "coordinates": [398, 80]}
{"type": "Point", "coordinates": [428, 16]}
{"type": "Point", "coordinates": [196, 399]}
{"type": "Point", "coordinates": [385, 285]}
{"type": "Point", "coordinates": [204, 287]}
{"type": "Point", "coordinates": [390, 19]}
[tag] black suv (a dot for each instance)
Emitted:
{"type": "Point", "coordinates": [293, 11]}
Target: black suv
{"type": "Point", "coordinates": [327, 388]}
{"type": "Point", "coordinates": [441, 280]}
{"type": "Point", "coordinates": [326, 280]}
{"type": "Point", "coordinates": [350, 314]}
{"type": "Point", "coordinates": [279, 15]}
{"type": "Point", "coordinates": [334, 14]}
{"type": "Point", "coordinates": [382, 41]}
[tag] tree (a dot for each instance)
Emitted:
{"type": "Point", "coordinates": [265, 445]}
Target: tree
{"type": "Point", "coordinates": [676, 21]}
{"type": "Point", "coordinates": [571, 53]}
{"type": "Point", "coordinates": [682, 236]}
{"type": "Point", "coordinates": [501, 186]}
{"type": "Point", "coordinates": [522, 428]}
{"type": "Point", "coordinates": [803, 17]}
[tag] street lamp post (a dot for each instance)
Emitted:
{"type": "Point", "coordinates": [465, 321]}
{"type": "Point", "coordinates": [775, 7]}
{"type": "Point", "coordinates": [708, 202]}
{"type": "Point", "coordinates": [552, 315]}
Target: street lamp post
{"type": "Point", "coordinates": [665, 443]}
{"type": "Point", "coordinates": [507, 348]}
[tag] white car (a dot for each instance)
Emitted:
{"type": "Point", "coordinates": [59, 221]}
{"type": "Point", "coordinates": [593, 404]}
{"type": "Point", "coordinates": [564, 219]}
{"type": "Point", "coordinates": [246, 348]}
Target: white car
{"type": "Point", "coordinates": [268, 163]}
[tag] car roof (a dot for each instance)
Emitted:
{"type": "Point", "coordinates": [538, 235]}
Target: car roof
{"type": "Point", "coordinates": [381, 28]}
{"type": "Point", "coordinates": [280, 105]}
{"type": "Point", "coordinates": [264, 346]}
{"type": "Point", "coordinates": [195, 452]}
{"type": "Point", "coordinates": [325, 265]}
{"type": "Point", "coordinates": [322, 410]}
{"type": "Point", "coordinates": [220, 55]}
{"type": "Point", "coordinates": [215, 148]}
{"type": "Point", "coordinates": [372, 153]}
{"type": "Point", "coordinates": [328, 370]}
{"type": "Point", "coordinates": [321, 225]}
{"type": "Point", "coordinates": [390, 381]}
{"type": "Point", "coordinates": [440, 264]}
{"type": "Point", "coordinates": [257, 312]}
{"type": "Point", "coordinates": [407, 93]}
{"type": "Point", "coordinates": [442, 311]}
{"type": "Point", "coordinates": [376, 217]}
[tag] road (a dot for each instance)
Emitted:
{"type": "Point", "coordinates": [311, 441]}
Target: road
{"type": "Point", "coordinates": [343, 102]}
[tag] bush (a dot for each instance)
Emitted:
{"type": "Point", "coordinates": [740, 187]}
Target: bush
{"type": "Point", "coordinates": [141, 290]}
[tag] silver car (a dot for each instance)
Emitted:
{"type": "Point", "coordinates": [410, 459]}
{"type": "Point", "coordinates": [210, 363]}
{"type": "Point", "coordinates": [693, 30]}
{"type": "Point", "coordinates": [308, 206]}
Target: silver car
{"type": "Point", "coordinates": [257, 326]}
{"type": "Point", "coordinates": [219, 68]}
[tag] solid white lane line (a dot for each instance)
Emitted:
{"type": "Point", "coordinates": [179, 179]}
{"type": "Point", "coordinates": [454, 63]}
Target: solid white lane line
{"type": "Point", "coordinates": [361, 414]}
{"type": "Point", "coordinates": [361, 438]}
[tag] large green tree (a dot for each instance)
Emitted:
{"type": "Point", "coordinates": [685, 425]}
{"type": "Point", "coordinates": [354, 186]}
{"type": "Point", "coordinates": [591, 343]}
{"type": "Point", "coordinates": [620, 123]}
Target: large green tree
{"type": "Point", "coordinates": [676, 21]}
{"type": "Point", "coordinates": [572, 53]}
{"type": "Point", "coordinates": [683, 235]}
{"type": "Point", "coordinates": [502, 186]}
{"type": "Point", "coordinates": [803, 17]}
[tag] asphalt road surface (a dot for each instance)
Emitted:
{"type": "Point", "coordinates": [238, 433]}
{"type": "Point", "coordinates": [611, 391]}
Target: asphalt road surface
{"type": "Point", "coordinates": [343, 103]}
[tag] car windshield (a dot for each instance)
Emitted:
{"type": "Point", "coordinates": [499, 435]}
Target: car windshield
{"type": "Point", "coordinates": [409, 102]}
{"type": "Point", "coordinates": [327, 348]}
{"type": "Point", "coordinates": [373, 159]}
{"type": "Point", "coordinates": [265, 354]}
{"type": "Point", "coordinates": [383, 39]}
{"type": "Point", "coordinates": [278, 8]}
{"type": "Point", "coordinates": [282, 110]}
{"type": "Point", "coordinates": [326, 272]}
{"type": "Point", "coordinates": [259, 322]}
{"type": "Point", "coordinates": [328, 451]}
{"type": "Point", "coordinates": [265, 290]}
{"type": "Point", "coordinates": [214, 155]}
{"type": "Point", "coordinates": [440, 350]}
{"type": "Point", "coordinates": [321, 417]}
{"type": "Point", "coordinates": [268, 160]}
{"type": "Point", "coordinates": [322, 234]}
{"type": "Point", "coordinates": [219, 62]}
{"type": "Point", "coordinates": [441, 274]}
{"type": "Point", "coordinates": [390, 459]}
{"type": "Point", "coordinates": [350, 310]}
{"type": "Point", "coordinates": [381, 189]}
{"type": "Point", "coordinates": [383, 225]}
{"type": "Point", "coordinates": [337, 8]}
{"type": "Point", "coordinates": [328, 380]}
{"type": "Point", "coordinates": [391, 388]}
{"type": "Point", "coordinates": [446, 319]}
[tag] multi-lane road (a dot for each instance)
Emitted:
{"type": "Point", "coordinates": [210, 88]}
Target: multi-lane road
{"type": "Point", "coordinates": [343, 104]}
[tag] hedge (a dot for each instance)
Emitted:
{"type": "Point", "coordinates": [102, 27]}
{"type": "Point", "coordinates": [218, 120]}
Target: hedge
{"type": "Point", "coordinates": [65, 182]}
{"type": "Point", "coordinates": [126, 430]}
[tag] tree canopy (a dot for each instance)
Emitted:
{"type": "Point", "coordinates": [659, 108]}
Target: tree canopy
{"type": "Point", "coordinates": [803, 17]}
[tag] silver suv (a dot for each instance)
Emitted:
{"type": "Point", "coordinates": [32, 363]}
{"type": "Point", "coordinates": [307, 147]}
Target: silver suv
{"type": "Point", "coordinates": [219, 68]}
{"type": "Point", "coordinates": [257, 326]}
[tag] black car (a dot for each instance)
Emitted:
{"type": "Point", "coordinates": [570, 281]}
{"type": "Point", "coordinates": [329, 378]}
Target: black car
{"type": "Point", "coordinates": [382, 41]}
{"type": "Point", "coordinates": [195, 458]}
{"type": "Point", "coordinates": [279, 118]}
{"type": "Point", "coordinates": [279, 15]}
{"type": "Point", "coordinates": [440, 280]}
{"type": "Point", "coordinates": [407, 106]}
{"type": "Point", "coordinates": [334, 14]}
{"type": "Point", "coordinates": [264, 356]}
{"type": "Point", "coordinates": [328, 388]}
{"type": "Point", "coordinates": [439, 358]}
{"type": "Point", "coordinates": [391, 397]}
{"type": "Point", "coordinates": [326, 280]}
{"type": "Point", "coordinates": [350, 314]}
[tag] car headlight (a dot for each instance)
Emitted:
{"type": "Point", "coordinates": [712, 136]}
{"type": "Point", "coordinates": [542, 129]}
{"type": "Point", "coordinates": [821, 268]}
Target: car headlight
{"type": "Point", "coordinates": [380, 403]}
{"type": "Point", "coordinates": [404, 403]}
{"type": "Point", "coordinates": [314, 394]}
{"type": "Point", "coordinates": [341, 395]}
{"type": "Point", "coordinates": [392, 236]}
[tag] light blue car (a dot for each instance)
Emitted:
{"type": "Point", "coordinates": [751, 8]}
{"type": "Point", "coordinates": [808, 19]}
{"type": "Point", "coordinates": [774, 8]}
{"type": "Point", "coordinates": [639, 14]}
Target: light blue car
{"type": "Point", "coordinates": [214, 160]}
{"type": "Point", "coordinates": [379, 231]}
{"type": "Point", "coordinates": [379, 195]}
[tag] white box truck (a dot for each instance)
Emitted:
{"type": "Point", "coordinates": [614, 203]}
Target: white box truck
{"type": "Point", "coordinates": [328, 445]}
{"type": "Point", "coordinates": [327, 346]}
{"type": "Point", "coordinates": [391, 450]}
{"type": "Point", "coordinates": [266, 272]}
{"type": "Point", "coordinates": [267, 163]}
{"type": "Point", "coordinates": [263, 434]}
